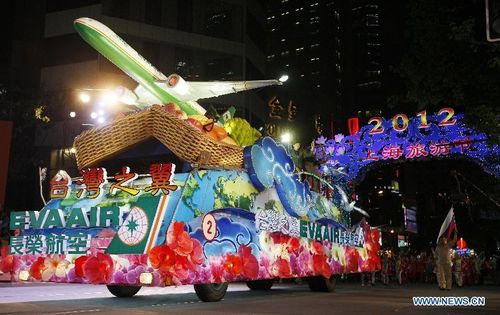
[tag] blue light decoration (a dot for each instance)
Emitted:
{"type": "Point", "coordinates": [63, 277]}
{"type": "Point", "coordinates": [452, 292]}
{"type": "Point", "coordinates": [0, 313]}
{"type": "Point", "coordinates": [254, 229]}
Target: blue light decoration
{"type": "Point", "coordinates": [443, 135]}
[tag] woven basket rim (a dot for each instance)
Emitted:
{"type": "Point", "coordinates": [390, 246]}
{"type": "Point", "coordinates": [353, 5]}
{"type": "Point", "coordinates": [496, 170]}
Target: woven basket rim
{"type": "Point", "coordinates": [226, 155]}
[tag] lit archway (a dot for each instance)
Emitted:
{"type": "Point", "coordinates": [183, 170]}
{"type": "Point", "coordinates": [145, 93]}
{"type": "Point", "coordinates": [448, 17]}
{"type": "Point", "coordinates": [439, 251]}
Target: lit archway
{"type": "Point", "coordinates": [439, 136]}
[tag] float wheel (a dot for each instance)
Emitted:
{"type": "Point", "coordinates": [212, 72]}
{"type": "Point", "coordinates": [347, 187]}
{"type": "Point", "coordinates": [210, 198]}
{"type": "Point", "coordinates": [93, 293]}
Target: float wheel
{"type": "Point", "coordinates": [211, 292]}
{"type": "Point", "coordinates": [322, 284]}
{"type": "Point", "coordinates": [123, 291]}
{"type": "Point", "coordinates": [265, 284]}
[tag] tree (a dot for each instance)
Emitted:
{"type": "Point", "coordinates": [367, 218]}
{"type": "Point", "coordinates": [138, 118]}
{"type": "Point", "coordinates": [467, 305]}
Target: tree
{"type": "Point", "coordinates": [449, 62]}
{"type": "Point", "coordinates": [24, 110]}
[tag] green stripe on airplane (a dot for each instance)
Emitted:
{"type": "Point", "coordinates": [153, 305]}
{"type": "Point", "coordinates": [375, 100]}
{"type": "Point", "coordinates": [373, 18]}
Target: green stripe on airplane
{"type": "Point", "coordinates": [118, 56]}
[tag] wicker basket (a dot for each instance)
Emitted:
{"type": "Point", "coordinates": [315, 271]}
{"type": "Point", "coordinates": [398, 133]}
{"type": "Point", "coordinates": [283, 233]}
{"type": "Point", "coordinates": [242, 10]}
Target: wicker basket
{"type": "Point", "coordinates": [183, 140]}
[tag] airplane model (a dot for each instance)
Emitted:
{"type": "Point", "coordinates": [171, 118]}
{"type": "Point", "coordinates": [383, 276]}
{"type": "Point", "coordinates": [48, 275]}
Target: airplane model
{"type": "Point", "coordinates": [154, 87]}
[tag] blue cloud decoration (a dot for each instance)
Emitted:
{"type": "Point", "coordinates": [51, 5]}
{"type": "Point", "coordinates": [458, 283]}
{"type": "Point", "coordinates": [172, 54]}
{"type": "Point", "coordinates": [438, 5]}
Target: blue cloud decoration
{"type": "Point", "coordinates": [235, 227]}
{"type": "Point", "coordinates": [268, 164]}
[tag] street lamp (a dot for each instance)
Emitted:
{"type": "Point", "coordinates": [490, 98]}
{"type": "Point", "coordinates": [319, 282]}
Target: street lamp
{"type": "Point", "coordinates": [72, 114]}
{"type": "Point", "coordinates": [84, 97]}
{"type": "Point", "coordinates": [110, 98]}
{"type": "Point", "coordinates": [283, 78]}
{"type": "Point", "coordinates": [286, 138]}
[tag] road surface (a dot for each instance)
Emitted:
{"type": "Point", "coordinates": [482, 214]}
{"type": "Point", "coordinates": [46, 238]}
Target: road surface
{"type": "Point", "coordinates": [349, 298]}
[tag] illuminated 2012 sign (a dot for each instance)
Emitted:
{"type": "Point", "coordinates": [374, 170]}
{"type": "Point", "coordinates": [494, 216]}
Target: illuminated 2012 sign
{"type": "Point", "coordinates": [400, 121]}
{"type": "Point", "coordinates": [438, 135]}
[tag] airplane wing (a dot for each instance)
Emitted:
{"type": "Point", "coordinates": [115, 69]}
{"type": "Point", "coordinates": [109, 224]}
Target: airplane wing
{"type": "Point", "coordinates": [191, 91]}
{"type": "Point", "coordinates": [201, 90]}
{"type": "Point", "coordinates": [187, 91]}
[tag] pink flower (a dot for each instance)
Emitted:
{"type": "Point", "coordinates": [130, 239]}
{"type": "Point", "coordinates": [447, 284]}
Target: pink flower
{"type": "Point", "coordinates": [304, 263]}
{"type": "Point", "coordinates": [265, 267]}
{"type": "Point", "coordinates": [217, 271]}
{"type": "Point", "coordinates": [54, 265]}
{"type": "Point", "coordinates": [137, 259]}
{"type": "Point", "coordinates": [321, 140]}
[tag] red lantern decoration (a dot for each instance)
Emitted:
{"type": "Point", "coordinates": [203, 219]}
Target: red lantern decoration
{"type": "Point", "coordinates": [461, 244]}
{"type": "Point", "coordinates": [353, 124]}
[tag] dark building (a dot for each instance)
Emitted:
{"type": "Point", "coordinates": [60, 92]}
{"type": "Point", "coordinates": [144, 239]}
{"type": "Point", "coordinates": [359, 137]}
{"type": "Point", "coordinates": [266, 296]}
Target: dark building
{"type": "Point", "coordinates": [21, 42]}
{"type": "Point", "coordinates": [338, 55]}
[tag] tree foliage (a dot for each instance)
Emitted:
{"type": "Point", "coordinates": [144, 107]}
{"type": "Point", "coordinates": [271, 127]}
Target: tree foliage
{"type": "Point", "coordinates": [449, 62]}
{"type": "Point", "coordinates": [24, 110]}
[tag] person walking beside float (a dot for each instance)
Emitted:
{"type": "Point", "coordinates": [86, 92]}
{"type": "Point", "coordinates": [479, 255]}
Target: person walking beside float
{"type": "Point", "coordinates": [443, 248]}
{"type": "Point", "coordinates": [458, 266]}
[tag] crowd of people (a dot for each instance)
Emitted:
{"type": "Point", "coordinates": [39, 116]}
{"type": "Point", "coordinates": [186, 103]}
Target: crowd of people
{"type": "Point", "coordinates": [413, 267]}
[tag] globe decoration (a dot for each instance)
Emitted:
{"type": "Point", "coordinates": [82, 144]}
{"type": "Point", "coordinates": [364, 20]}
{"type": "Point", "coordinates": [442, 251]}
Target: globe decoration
{"type": "Point", "coordinates": [134, 228]}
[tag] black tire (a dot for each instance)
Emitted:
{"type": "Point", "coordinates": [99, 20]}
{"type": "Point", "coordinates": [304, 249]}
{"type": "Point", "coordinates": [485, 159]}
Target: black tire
{"type": "Point", "coordinates": [260, 284]}
{"type": "Point", "coordinates": [123, 291]}
{"type": "Point", "coordinates": [322, 284]}
{"type": "Point", "coordinates": [211, 292]}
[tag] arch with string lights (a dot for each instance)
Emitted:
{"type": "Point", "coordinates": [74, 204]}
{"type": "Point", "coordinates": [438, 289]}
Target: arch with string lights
{"type": "Point", "coordinates": [441, 135]}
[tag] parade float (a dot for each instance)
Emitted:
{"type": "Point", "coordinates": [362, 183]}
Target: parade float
{"type": "Point", "coordinates": [225, 205]}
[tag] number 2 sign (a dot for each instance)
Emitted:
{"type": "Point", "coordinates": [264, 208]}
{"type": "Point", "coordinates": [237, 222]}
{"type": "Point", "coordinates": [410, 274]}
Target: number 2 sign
{"type": "Point", "coordinates": [209, 226]}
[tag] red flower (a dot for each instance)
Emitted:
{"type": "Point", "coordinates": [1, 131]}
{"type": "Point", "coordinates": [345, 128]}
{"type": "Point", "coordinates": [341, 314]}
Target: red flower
{"type": "Point", "coordinates": [321, 266]}
{"type": "Point", "coordinates": [281, 268]}
{"type": "Point", "coordinates": [98, 269]}
{"type": "Point", "coordinates": [217, 271]}
{"type": "Point", "coordinates": [179, 240]}
{"type": "Point", "coordinates": [351, 259]}
{"type": "Point", "coordinates": [279, 238]}
{"type": "Point", "coordinates": [37, 268]}
{"type": "Point", "coordinates": [293, 244]}
{"type": "Point", "coordinates": [250, 263]}
{"type": "Point", "coordinates": [318, 248]}
{"type": "Point", "coordinates": [6, 260]}
{"type": "Point", "coordinates": [179, 270]}
{"type": "Point", "coordinates": [372, 240]}
{"type": "Point", "coordinates": [276, 237]}
{"type": "Point", "coordinates": [233, 265]}
{"type": "Point", "coordinates": [196, 257]}
{"type": "Point", "coordinates": [178, 256]}
{"type": "Point", "coordinates": [162, 257]}
{"type": "Point", "coordinates": [79, 262]}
